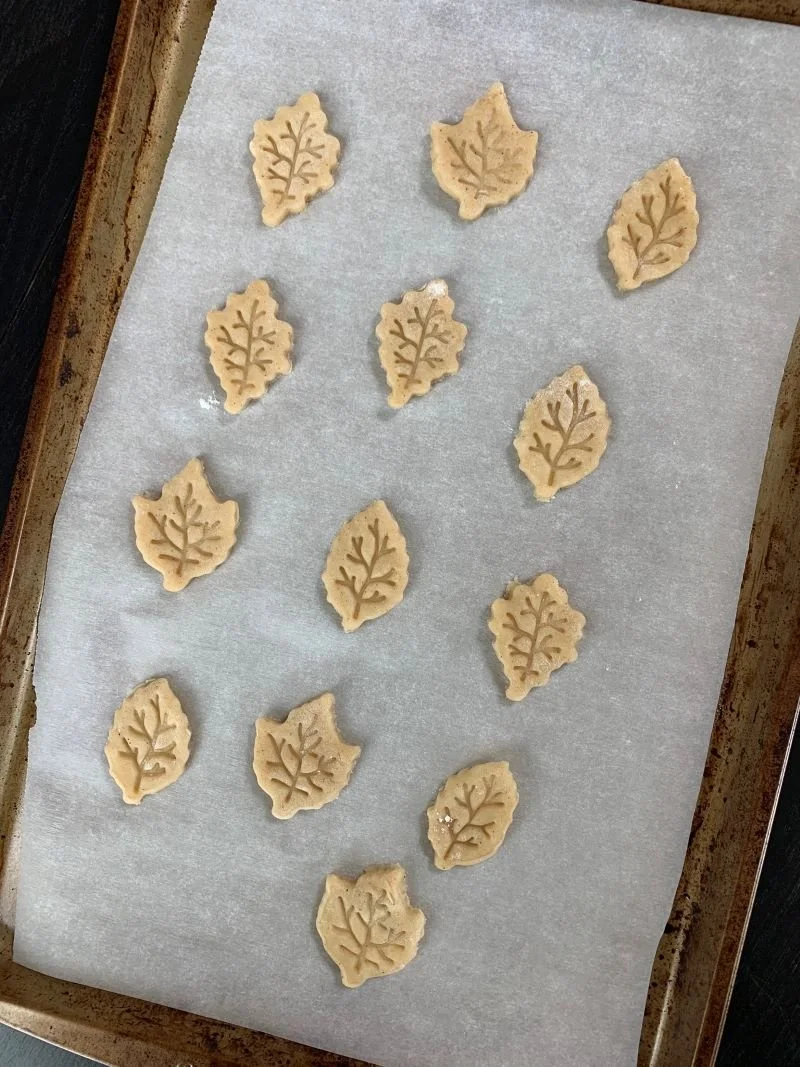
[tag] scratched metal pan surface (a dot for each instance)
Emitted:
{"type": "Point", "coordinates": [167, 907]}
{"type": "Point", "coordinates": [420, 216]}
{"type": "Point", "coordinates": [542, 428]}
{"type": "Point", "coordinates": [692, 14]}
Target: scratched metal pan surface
{"type": "Point", "coordinates": [153, 57]}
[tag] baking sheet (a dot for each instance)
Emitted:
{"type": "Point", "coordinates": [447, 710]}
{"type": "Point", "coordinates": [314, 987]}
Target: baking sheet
{"type": "Point", "coordinates": [199, 898]}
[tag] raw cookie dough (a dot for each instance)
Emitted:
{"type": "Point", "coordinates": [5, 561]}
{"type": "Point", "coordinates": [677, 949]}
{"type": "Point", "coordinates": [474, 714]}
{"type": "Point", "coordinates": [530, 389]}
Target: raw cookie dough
{"type": "Point", "coordinates": [250, 346]}
{"type": "Point", "coordinates": [471, 815]}
{"type": "Point", "coordinates": [563, 433]}
{"type": "Point", "coordinates": [535, 632]}
{"type": "Point", "coordinates": [186, 532]}
{"type": "Point", "coordinates": [368, 927]}
{"type": "Point", "coordinates": [302, 762]}
{"type": "Point", "coordinates": [486, 159]}
{"type": "Point", "coordinates": [366, 572]}
{"type": "Point", "coordinates": [420, 341]}
{"type": "Point", "coordinates": [148, 743]}
{"type": "Point", "coordinates": [294, 158]}
{"type": "Point", "coordinates": [654, 226]}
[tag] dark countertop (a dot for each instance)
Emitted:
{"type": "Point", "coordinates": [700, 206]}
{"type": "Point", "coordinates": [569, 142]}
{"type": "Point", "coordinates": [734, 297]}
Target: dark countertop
{"type": "Point", "coordinates": [51, 68]}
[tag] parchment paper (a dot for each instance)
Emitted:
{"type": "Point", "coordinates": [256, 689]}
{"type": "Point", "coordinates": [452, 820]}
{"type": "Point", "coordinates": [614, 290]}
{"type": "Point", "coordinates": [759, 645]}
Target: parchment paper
{"type": "Point", "coordinates": [200, 898]}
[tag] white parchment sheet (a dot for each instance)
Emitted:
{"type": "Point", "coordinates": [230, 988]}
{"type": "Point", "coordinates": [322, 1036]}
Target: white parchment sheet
{"type": "Point", "coordinates": [200, 898]}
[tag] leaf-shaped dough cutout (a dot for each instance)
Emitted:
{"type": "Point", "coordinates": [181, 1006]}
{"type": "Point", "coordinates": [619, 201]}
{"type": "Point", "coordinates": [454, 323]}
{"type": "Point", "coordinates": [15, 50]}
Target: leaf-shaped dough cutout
{"type": "Point", "coordinates": [535, 632]}
{"type": "Point", "coordinates": [186, 532]}
{"type": "Point", "coordinates": [148, 743]}
{"type": "Point", "coordinates": [250, 346]}
{"type": "Point", "coordinates": [294, 158]}
{"type": "Point", "coordinates": [366, 572]}
{"type": "Point", "coordinates": [563, 433]}
{"type": "Point", "coordinates": [368, 926]}
{"type": "Point", "coordinates": [420, 341]}
{"type": "Point", "coordinates": [302, 763]}
{"type": "Point", "coordinates": [471, 814]}
{"type": "Point", "coordinates": [654, 226]}
{"type": "Point", "coordinates": [486, 159]}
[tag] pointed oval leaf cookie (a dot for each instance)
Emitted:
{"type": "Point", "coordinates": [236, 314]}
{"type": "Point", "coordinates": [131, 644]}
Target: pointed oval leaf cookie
{"type": "Point", "coordinates": [368, 926]}
{"type": "Point", "coordinates": [366, 572]}
{"type": "Point", "coordinates": [302, 763]}
{"type": "Point", "coordinates": [420, 341]}
{"type": "Point", "coordinates": [148, 743]}
{"type": "Point", "coordinates": [486, 159]}
{"type": "Point", "coordinates": [654, 227]}
{"type": "Point", "coordinates": [535, 632]}
{"type": "Point", "coordinates": [563, 433]}
{"type": "Point", "coordinates": [471, 814]}
{"type": "Point", "coordinates": [186, 532]}
{"type": "Point", "coordinates": [250, 346]}
{"type": "Point", "coordinates": [294, 158]}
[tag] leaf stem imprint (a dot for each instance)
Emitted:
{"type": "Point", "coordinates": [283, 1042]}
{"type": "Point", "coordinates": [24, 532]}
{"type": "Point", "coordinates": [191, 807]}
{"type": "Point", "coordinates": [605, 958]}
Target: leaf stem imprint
{"type": "Point", "coordinates": [189, 512]}
{"type": "Point", "coordinates": [252, 349]}
{"type": "Point", "coordinates": [538, 641]}
{"type": "Point", "coordinates": [357, 558]}
{"type": "Point", "coordinates": [580, 414]}
{"type": "Point", "coordinates": [295, 777]}
{"type": "Point", "coordinates": [429, 331]}
{"type": "Point", "coordinates": [152, 753]}
{"type": "Point", "coordinates": [465, 834]}
{"type": "Point", "coordinates": [364, 943]}
{"type": "Point", "coordinates": [672, 207]}
{"type": "Point", "coordinates": [482, 176]}
{"type": "Point", "coordinates": [298, 167]}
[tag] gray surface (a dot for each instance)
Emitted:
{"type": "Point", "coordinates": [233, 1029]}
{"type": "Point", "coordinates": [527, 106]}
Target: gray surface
{"type": "Point", "coordinates": [20, 1050]}
{"type": "Point", "coordinates": [199, 898]}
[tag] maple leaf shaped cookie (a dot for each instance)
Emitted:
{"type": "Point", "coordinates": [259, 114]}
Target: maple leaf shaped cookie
{"type": "Point", "coordinates": [148, 744]}
{"type": "Point", "coordinates": [302, 763]}
{"type": "Point", "coordinates": [294, 158]}
{"type": "Point", "coordinates": [420, 341]}
{"type": "Point", "coordinates": [369, 927]}
{"type": "Point", "coordinates": [468, 821]}
{"type": "Point", "coordinates": [563, 433]}
{"type": "Point", "coordinates": [186, 532]}
{"type": "Point", "coordinates": [536, 631]}
{"type": "Point", "coordinates": [366, 572]}
{"type": "Point", "coordinates": [654, 228]}
{"type": "Point", "coordinates": [250, 346]}
{"type": "Point", "coordinates": [485, 159]}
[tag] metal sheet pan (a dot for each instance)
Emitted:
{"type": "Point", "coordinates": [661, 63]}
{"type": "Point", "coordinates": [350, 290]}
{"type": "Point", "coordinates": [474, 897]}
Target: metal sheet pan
{"type": "Point", "coordinates": [155, 49]}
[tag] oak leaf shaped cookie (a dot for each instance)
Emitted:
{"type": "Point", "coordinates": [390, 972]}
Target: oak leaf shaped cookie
{"type": "Point", "coordinates": [294, 158]}
{"type": "Point", "coordinates": [148, 744]}
{"type": "Point", "coordinates": [535, 632]}
{"type": "Point", "coordinates": [471, 814]}
{"type": "Point", "coordinates": [302, 763]}
{"type": "Point", "coordinates": [368, 927]}
{"type": "Point", "coordinates": [563, 433]}
{"type": "Point", "coordinates": [420, 341]}
{"type": "Point", "coordinates": [250, 346]}
{"type": "Point", "coordinates": [186, 532]}
{"type": "Point", "coordinates": [366, 572]}
{"type": "Point", "coordinates": [486, 159]}
{"type": "Point", "coordinates": [654, 226]}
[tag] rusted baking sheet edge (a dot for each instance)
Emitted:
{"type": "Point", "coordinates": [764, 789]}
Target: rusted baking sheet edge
{"type": "Point", "coordinates": [153, 56]}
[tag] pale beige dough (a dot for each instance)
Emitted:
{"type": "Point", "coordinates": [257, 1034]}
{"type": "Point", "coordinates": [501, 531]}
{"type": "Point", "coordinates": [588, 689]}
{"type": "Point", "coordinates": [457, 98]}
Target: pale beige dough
{"type": "Point", "coordinates": [148, 743]}
{"type": "Point", "coordinates": [654, 226]}
{"type": "Point", "coordinates": [249, 345]}
{"type": "Point", "coordinates": [420, 341]}
{"type": "Point", "coordinates": [366, 572]}
{"type": "Point", "coordinates": [469, 819]}
{"type": "Point", "coordinates": [485, 159]}
{"type": "Point", "coordinates": [186, 532]}
{"type": "Point", "coordinates": [563, 433]}
{"type": "Point", "coordinates": [368, 926]}
{"type": "Point", "coordinates": [302, 763]}
{"type": "Point", "coordinates": [294, 158]}
{"type": "Point", "coordinates": [535, 632]}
